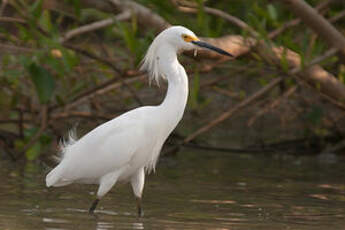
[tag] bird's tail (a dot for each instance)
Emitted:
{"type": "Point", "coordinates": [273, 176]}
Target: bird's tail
{"type": "Point", "coordinates": [65, 144]}
{"type": "Point", "coordinates": [54, 177]}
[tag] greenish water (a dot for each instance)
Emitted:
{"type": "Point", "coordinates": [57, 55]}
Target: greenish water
{"type": "Point", "coordinates": [200, 190]}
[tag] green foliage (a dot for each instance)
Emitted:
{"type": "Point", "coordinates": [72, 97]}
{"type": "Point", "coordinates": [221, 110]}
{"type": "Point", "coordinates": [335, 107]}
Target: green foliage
{"type": "Point", "coordinates": [45, 22]}
{"type": "Point", "coordinates": [76, 7]}
{"type": "Point", "coordinates": [194, 92]}
{"type": "Point", "coordinates": [35, 9]}
{"type": "Point", "coordinates": [136, 45]}
{"type": "Point", "coordinates": [202, 18]}
{"type": "Point", "coordinates": [272, 12]}
{"type": "Point", "coordinates": [36, 149]}
{"type": "Point", "coordinates": [57, 75]}
{"type": "Point", "coordinates": [196, 101]}
{"type": "Point", "coordinates": [43, 81]}
{"type": "Point", "coordinates": [33, 152]}
{"type": "Point", "coordinates": [284, 62]}
{"type": "Point", "coordinates": [341, 74]}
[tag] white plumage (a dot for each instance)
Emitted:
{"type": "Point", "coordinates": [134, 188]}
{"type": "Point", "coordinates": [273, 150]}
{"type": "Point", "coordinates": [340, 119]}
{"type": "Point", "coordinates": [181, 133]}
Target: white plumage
{"type": "Point", "coordinates": [124, 148]}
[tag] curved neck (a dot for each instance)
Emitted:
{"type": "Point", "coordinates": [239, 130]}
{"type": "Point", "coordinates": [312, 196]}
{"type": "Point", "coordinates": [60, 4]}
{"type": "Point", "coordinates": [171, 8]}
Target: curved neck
{"type": "Point", "coordinates": [173, 106]}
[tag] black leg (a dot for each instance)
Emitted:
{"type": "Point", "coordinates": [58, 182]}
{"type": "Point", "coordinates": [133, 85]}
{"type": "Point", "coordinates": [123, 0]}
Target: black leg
{"type": "Point", "coordinates": [140, 210]}
{"type": "Point", "coordinates": [93, 206]}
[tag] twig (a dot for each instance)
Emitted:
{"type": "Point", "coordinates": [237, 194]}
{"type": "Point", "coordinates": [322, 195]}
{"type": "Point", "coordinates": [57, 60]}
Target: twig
{"type": "Point", "coordinates": [145, 15]}
{"type": "Point", "coordinates": [93, 56]}
{"type": "Point", "coordinates": [109, 63]}
{"type": "Point", "coordinates": [325, 81]}
{"type": "Point", "coordinates": [283, 27]}
{"type": "Point", "coordinates": [224, 149]}
{"type": "Point", "coordinates": [232, 19]}
{"type": "Point", "coordinates": [13, 20]}
{"type": "Point", "coordinates": [234, 109]}
{"type": "Point", "coordinates": [71, 114]}
{"type": "Point", "coordinates": [12, 121]}
{"type": "Point", "coordinates": [336, 103]}
{"type": "Point", "coordinates": [272, 105]}
{"type": "Point", "coordinates": [337, 16]}
{"type": "Point", "coordinates": [17, 48]}
{"type": "Point", "coordinates": [226, 92]}
{"type": "Point", "coordinates": [296, 21]}
{"type": "Point", "coordinates": [100, 91]}
{"type": "Point", "coordinates": [2, 7]}
{"type": "Point", "coordinates": [21, 123]}
{"type": "Point", "coordinates": [94, 26]}
{"type": "Point", "coordinates": [91, 27]}
{"type": "Point", "coordinates": [329, 53]}
{"type": "Point", "coordinates": [318, 23]}
{"type": "Point", "coordinates": [253, 97]}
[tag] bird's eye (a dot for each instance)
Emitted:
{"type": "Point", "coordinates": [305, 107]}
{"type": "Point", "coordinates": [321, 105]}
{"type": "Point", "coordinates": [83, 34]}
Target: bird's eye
{"type": "Point", "coordinates": [189, 38]}
{"type": "Point", "coordinates": [185, 37]}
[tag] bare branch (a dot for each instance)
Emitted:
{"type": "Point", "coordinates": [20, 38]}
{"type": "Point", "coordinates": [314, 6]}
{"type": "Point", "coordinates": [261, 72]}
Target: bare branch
{"type": "Point", "coordinates": [13, 20]}
{"type": "Point", "coordinates": [337, 16]}
{"type": "Point", "coordinates": [252, 98]}
{"type": "Point", "coordinates": [318, 23]}
{"type": "Point", "coordinates": [94, 26]}
{"type": "Point", "coordinates": [101, 90]}
{"type": "Point", "coordinates": [2, 7]}
{"type": "Point", "coordinates": [234, 20]}
{"type": "Point", "coordinates": [272, 105]}
{"type": "Point", "coordinates": [109, 63]}
{"type": "Point", "coordinates": [315, 75]}
{"type": "Point", "coordinates": [72, 114]}
{"type": "Point", "coordinates": [296, 21]}
{"type": "Point", "coordinates": [146, 16]}
{"type": "Point", "coordinates": [234, 109]}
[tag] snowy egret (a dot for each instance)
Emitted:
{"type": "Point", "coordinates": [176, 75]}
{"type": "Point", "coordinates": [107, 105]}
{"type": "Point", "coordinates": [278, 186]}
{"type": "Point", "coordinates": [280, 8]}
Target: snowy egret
{"type": "Point", "coordinates": [124, 148]}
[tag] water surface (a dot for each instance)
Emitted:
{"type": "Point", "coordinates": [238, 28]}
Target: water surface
{"type": "Point", "coordinates": [196, 190]}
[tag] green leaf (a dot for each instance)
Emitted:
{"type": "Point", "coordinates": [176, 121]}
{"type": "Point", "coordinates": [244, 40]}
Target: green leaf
{"type": "Point", "coordinates": [36, 8]}
{"type": "Point", "coordinates": [45, 21]}
{"type": "Point", "coordinates": [202, 18]}
{"type": "Point", "coordinates": [272, 12]}
{"type": "Point", "coordinates": [194, 94]}
{"type": "Point", "coordinates": [341, 74]}
{"type": "Point", "coordinates": [43, 81]}
{"type": "Point", "coordinates": [24, 33]}
{"type": "Point", "coordinates": [128, 37]}
{"type": "Point", "coordinates": [284, 62]}
{"type": "Point", "coordinates": [70, 59]}
{"type": "Point", "coordinates": [33, 152]}
{"type": "Point", "coordinates": [76, 6]}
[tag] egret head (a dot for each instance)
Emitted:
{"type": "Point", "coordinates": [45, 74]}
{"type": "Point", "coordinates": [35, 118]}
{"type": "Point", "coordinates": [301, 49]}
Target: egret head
{"type": "Point", "coordinates": [179, 39]}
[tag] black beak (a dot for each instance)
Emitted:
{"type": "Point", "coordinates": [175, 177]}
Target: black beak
{"type": "Point", "coordinates": [211, 47]}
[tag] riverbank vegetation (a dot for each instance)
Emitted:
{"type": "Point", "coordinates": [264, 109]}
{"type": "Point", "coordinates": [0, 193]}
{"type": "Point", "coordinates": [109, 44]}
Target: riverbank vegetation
{"type": "Point", "coordinates": [74, 64]}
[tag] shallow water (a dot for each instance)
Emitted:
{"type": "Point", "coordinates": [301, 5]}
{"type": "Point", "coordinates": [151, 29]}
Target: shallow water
{"type": "Point", "coordinates": [196, 190]}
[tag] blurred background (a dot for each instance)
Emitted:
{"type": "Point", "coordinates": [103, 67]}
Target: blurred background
{"type": "Point", "coordinates": [262, 141]}
{"type": "Point", "coordinates": [74, 64]}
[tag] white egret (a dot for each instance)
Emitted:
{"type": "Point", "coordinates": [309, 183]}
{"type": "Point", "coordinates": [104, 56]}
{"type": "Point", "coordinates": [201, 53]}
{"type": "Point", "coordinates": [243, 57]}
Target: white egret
{"type": "Point", "coordinates": [126, 147]}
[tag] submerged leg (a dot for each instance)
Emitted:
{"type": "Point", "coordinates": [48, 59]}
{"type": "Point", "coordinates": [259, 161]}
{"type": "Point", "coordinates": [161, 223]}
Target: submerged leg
{"type": "Point", "coordinates": [106, 183]}
{"type": "Point", "coordinates": [140, 210]}
{"type": "Point", "coordinates": [137, 183]}
{"type": "Point", "coordinates": [93, 206]}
